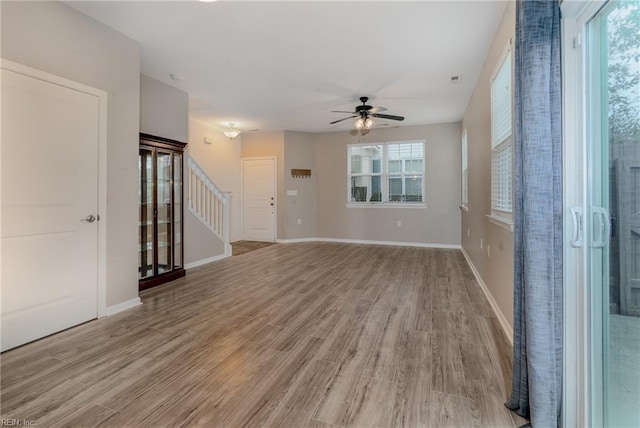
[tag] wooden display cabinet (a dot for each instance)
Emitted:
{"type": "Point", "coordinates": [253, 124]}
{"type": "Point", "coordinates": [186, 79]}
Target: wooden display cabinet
{"type": "Point", "coordinates": [160, 197]}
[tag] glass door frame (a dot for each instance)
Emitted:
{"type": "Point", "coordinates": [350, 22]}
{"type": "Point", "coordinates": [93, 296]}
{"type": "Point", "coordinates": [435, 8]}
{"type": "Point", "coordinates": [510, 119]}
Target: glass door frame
{"type": "Point", "coordinates": [582, 376]}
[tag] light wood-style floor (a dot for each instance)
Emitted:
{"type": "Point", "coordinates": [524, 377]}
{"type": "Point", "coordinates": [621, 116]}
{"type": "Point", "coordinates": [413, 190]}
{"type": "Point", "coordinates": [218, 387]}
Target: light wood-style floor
{"type": "Point", "coordinates": [242, 247]}
{"type": "Point", "coordinates": [291, 335]}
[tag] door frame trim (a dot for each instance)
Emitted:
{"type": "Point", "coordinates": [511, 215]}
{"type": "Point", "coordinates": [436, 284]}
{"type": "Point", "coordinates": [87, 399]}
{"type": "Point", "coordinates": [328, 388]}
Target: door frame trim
{"type": "Point", "coordinates": [102, 164]}
{"type": "Point", "coordinates": [275, 188]}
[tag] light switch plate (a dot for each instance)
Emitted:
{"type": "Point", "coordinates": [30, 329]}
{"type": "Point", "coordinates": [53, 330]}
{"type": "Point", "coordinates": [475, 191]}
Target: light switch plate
{"type": "Point", "coordinates": [292, 193]}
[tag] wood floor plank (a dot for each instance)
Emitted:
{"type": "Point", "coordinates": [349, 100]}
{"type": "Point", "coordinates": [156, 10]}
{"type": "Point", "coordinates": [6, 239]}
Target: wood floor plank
{"type": "Point", "coordinates": [451, 411]}
{"type": "Point", "coordinates": [359, 401]}
{"type": "Point", "coordinates": [260, 399]}
{"type": "Point", "coordinates": [23, 370]}
{"type": "Point", "coordinates": [392, 343]}
{"type": "Point", "coordinates": [485, 394]}
{"type": "Point", "coordinates": [292, 335]}
{"type": "Point", "coordinates": [302, 399]}
{"type": "Point", "coordinates": [314, 423]}
{"type": "Point", "coordinates": [467, 327]}
{"type": "Point", "coordinates": [412, 397]}
{"type": "Point", "coordinates": [443, 323]}
{"type": "Point", "coordinates": [88, 416]}
{"type": "Point", "coordinates": [345, 332]}
{"type": "Point", "coordinates": [447, 374]}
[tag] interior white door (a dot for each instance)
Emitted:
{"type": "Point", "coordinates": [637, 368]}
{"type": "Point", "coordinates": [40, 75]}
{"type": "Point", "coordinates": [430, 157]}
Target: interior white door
{"type": "Point", "coordinates": [49, 232]}
{"type": "Point", "coordinates": [259, 199]}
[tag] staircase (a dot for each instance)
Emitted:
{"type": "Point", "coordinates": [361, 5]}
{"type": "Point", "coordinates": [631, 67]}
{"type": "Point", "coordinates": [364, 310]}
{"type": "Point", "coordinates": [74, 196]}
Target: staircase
{"type": "Point", "coordinates": [208, 203]}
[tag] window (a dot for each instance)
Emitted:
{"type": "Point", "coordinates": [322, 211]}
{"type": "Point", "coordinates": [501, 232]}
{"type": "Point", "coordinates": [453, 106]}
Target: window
{"type": "Point", "coordinates": [465, 173]}
{"type": "Point", "coordinates": [386, 173]}
{"type": "Point", "coordinates": [501, 139]}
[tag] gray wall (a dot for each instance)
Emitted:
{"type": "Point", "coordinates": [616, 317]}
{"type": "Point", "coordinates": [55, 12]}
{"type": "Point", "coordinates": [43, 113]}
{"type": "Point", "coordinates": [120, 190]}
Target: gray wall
{"type": "Point", "coordinates": [220, 160]}
{"type": "Point", "coordinates": [299, 153]}
{"type": "Point", "coordinates": [496, 270]}
{"type": "Point", "coordinates": [439, 223]}
{"type": "Point", "coordinates": [199, 242]}
{"type": "Point", "coordinates": [54, 38]}
{"type": "Point", "coordinates": [164, 110]}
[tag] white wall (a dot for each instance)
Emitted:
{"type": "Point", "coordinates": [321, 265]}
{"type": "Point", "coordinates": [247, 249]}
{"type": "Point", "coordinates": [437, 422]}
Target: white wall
{"type": "Point", "coordinates": [496, 270]}
{"type": "Point", "coordinates": [52, 37]}
{"type": "Point", "coordinates": [438, 223]}
{"type": "Point", "coordinates": [220, 160]}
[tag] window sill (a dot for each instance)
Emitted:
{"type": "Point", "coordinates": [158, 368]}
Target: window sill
{"type": "Point", "coordinates": [502, 222]}
{"type": "Point", "coordinates": [464, 208]}
{"type": "Point", "coordinates": [384, 205]}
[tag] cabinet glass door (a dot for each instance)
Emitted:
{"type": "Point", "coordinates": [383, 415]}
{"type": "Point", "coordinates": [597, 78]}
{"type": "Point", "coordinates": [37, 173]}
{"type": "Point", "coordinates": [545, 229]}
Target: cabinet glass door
{"type": "Point", "coordinates": [177, 209]}
{"type": "Point", "coordinates": [165, 211]}
{"type": "Point", "coordinates": [146, 225]}
{"type": "Point", "coordinates": [614, 213]}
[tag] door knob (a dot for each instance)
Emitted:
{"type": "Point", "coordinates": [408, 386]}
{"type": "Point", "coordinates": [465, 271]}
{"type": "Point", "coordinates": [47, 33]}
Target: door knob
{"type": "Point", "coordinates": [89, 219]}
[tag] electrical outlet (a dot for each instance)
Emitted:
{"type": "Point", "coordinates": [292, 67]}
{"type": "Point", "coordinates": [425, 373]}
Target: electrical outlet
{"type": "Point", "coordinates": [398, 223]}
{"type": "Point", "coordinates": [481, 243]}
{"type": "Point", "coordinates": [489, 251]}
{"type": "Point", "coordinates": [299, 221]}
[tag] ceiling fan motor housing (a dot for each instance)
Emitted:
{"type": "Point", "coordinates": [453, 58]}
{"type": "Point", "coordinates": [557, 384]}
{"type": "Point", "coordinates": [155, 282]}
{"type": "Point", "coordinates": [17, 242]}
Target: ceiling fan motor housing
{"type": "Point", "coordinates": [363, 109]}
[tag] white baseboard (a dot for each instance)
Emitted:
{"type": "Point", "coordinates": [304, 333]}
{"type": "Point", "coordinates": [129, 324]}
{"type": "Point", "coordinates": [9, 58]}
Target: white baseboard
{"type": "Point", "coordinates": [209, 260]}
{"type": "Point", "coordinates": [506, 327]}
{"type": "Point", "coordinates": [368, 242]}
{"type": "Point", "coordinates": [123, 306]}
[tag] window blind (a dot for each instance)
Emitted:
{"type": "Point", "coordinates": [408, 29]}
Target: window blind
{"type": "Point", "coordinates": [501, 177]}
{"type": "Point", "coordinates": [501, 140]}
{"type": "Point", "coordinates": [501, 103]}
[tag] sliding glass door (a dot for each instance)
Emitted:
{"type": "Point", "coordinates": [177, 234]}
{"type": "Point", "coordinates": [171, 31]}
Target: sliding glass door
{"type": "Point", "coordinates": [613, 212]}
{"type": "Point", "coordinates": [602, 201]}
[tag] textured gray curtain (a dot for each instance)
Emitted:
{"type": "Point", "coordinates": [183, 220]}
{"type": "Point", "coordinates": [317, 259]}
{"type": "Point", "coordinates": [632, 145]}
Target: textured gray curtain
{"type": "Point", "coordinates": [537, 366]}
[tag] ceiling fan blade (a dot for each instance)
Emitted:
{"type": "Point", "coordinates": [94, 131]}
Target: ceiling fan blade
{"type": "Point", "coordinates": [341, 111]}
{"type": "Point", "coordinates": [387, 116]}
{"type": "Point", "coordinates": [377, 109]}
{"type": "Point", "coordinates": [340, 120]}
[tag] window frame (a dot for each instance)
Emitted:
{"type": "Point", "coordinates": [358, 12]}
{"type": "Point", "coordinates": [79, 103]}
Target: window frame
{"type": "Point", "coordinates": [385, 175]}
{"type": "Point", "coordinates": [501, 214]}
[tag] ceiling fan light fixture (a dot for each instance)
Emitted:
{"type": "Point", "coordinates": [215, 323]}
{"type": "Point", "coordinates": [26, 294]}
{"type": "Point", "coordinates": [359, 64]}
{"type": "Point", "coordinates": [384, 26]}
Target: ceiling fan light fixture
{"type": "Point", "coordinates": [369, 123]}
{"type": "Point", "coordinates": [231, 132]}
{"type": "Point", "coordinates": [365, 114]}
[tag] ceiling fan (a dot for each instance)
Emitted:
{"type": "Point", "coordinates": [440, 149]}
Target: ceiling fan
{"type": "Point", "coordinates": [364, 113]}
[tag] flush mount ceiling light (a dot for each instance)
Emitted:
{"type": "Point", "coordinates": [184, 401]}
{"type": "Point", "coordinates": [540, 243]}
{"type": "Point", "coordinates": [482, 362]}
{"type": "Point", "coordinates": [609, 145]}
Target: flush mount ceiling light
{"type": "Point", "coordinates": [231, 132]}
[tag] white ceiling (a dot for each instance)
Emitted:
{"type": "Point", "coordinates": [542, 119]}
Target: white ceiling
{"type": "Point", "coordinates": [286, 65]}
